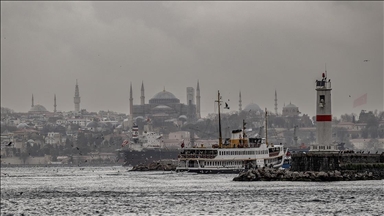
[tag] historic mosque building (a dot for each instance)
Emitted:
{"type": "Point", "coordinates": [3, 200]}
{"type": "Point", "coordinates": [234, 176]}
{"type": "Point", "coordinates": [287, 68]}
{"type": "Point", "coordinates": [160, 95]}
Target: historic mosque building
{"type": "Point", "coordinates": [164, 106]}
{"type": "Point", "coordinates": [38, 109]}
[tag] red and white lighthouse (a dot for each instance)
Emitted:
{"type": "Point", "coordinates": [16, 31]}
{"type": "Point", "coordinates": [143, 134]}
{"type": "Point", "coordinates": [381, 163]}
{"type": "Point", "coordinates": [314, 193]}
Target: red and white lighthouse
{"type": "Point", "coordinates": [324, 111]}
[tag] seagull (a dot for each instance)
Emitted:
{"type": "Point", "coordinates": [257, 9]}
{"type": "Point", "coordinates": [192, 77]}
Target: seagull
{"type": "Point", "coordinates": [366, 60]}
{"type": "Point", "coordinates": [226, 106]}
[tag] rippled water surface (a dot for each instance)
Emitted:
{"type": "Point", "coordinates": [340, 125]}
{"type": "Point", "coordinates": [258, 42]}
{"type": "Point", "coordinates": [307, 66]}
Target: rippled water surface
{"type": "Point", "coordinates": [114, 191]}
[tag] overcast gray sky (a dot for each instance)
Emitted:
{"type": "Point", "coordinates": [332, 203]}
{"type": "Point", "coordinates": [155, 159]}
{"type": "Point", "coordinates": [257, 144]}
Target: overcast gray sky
{"type": "Point", "coordinates": [255, 47]}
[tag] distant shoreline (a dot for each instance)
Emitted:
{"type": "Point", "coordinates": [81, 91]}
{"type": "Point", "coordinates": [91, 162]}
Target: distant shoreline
{"type": "Point", "coordinates": [58, 165]}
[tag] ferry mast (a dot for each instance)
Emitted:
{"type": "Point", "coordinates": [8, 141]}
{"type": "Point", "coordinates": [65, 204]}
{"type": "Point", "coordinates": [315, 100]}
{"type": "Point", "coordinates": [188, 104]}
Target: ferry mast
{"type": "Point", "coordinates": [266, 126]}
{"type": "Point", "coordinates": [323, 111]}
{"type": "Point", "coordinates": [218, 106]}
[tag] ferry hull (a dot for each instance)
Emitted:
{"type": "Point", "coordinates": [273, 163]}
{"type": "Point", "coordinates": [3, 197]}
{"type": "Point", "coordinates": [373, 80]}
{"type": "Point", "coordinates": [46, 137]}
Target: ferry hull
{"type": "Point", "coordinates": [212, 171]}
{"type": "Point", "coordinates": [218, 170]}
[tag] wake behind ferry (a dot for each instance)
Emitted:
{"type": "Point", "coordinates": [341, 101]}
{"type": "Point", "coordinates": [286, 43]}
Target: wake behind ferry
{"type": "Point", "coordinates": [236, 154]}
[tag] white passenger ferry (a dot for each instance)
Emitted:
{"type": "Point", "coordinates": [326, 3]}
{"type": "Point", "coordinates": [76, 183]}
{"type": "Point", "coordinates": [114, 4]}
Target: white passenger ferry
{"type": "Point", "coordinates": [236, 154]}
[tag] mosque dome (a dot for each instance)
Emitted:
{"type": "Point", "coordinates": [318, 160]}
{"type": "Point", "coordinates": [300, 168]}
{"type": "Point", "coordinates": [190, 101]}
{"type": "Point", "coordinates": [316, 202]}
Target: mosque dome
{"type": "Point", "coordinates": [290, 105]}
{"type": "Point", "coordinates": [183, 117]}
{"type": "Point", "coordinates": [139, 117]}
{"type": "Point", "coordinates": [252, 107]}
{"type": "Point", "coordinates": [291, 110]}
{"type": "Point", "coordinates": [38, 108]}
{"type": "Point", "coordinates": [164, 97]}
{"type": "Point", "coordinates": [162, 107]}
{"type": "Point", "coordinates": [22, 126]}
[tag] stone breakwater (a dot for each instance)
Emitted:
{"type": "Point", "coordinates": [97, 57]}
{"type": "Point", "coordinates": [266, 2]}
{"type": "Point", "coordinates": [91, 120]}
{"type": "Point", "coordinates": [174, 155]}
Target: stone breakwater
{"type": "Point", "coordinates": [314, 161]}
{"type": "Point", "coordinates": [155, 166]}
{"type": "Point", "coordinates": [266, 174]}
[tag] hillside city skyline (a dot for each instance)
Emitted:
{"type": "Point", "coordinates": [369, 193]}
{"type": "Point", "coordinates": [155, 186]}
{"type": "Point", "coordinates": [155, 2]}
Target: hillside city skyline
{"type": "Point", "coordinates": [360, 105]}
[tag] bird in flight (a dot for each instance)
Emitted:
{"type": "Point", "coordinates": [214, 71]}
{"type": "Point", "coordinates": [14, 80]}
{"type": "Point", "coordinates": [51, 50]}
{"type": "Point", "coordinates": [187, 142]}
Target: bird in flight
{"type": "Point", "coordinates": [366, 60]}
{"type": "Point", "coordinates": [226, 106]}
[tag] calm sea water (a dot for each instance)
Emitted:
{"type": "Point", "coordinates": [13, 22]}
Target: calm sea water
{"type": "Point", "coordinates": [114, 191]}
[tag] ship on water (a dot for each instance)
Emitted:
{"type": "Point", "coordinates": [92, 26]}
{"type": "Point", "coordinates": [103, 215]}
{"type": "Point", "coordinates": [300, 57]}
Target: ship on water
{"type": "Point", "coordinates": [234, 155]}
{"type": "Point", "coordinates": [145, 148]}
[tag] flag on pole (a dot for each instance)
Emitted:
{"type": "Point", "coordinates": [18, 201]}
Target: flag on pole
{"type": "Point", "coordinates": [360, 100]}
{"type": "Point", "coordinates": [126, 142]}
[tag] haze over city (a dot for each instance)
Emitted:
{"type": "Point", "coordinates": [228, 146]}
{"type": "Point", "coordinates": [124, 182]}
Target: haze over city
{"type": "Point", "coordinates": [252, 47]}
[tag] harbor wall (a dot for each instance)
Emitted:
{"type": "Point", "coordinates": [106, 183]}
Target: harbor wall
{"type": "Point", "coordinates": [329, 162]}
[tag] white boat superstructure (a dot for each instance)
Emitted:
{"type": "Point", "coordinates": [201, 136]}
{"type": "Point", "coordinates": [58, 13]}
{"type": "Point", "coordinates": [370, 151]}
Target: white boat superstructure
{"type": "Point", "coordinates": [234, 155]}
{"type": "Point", "coordinates": [147, 140]}
{"type": "Point", "coordinates": [255, 152]}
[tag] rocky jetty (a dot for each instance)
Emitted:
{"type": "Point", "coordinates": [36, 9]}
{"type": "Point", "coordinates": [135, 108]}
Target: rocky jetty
{"type": "Point", "coordinates": [155, 166]}
{"type": "Point", "coordinates": [266, 174]}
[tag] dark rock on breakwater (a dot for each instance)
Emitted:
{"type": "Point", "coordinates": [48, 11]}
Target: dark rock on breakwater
{"type": "Point", "coordinates": [156, 166]}
{"type": "Point", "coordinates": [266, 174]}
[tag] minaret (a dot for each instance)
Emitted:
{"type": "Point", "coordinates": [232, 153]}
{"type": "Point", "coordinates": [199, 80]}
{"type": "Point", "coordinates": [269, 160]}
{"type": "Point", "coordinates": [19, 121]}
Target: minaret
{"type": "Point", "coordinates": [240, 108]}
{"type": "Point", "coordinates": [130, 101]}
{"type": "Point", "coordinates": [198, 100]}
{"type": "Point", "coordinates": [323, 111]}
{"type": "Point", "coordinates": [276, 102]}
{"type": "Point", "coordinates": [76, 99]}
{"type": "Point", "coordinates": [142, 94]}
{"type": "Point", "coordinates": [54, 104]}
{"type": "Point", "coordinates": [32, 102]}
